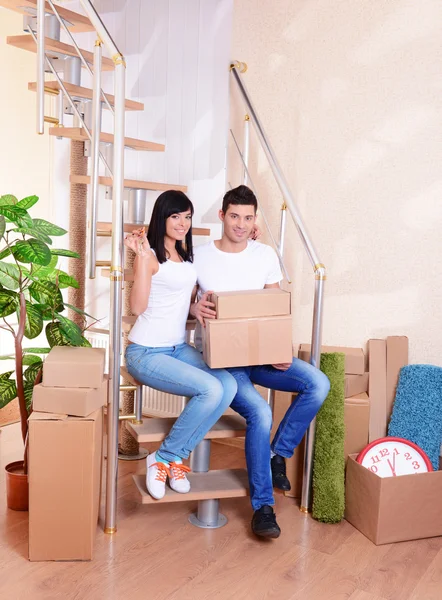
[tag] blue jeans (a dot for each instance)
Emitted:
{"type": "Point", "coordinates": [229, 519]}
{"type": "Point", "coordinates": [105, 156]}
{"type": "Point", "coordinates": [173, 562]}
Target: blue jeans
{"type": "Point", "coordinates": [181, 370]}
{"type": "Point", "coordinates": [312, 387]}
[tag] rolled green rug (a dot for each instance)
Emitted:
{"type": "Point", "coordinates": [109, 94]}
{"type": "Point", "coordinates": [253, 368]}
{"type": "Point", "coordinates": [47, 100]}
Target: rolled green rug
{"type": "Point", "coordinates": [329, 463]}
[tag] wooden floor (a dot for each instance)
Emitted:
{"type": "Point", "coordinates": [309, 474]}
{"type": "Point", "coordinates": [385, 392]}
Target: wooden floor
{"type": "Point", "coordinates": [158, 555]}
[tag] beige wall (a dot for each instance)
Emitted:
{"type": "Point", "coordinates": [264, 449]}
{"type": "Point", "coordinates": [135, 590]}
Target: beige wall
{"type": "Point", "coordinates": [350, 95]}
{"type": "Point", "coordinates": [24, 155]}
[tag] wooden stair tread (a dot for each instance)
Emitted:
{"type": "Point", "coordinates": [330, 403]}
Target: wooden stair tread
{"type": "Point", "coordinates": [130, 183]}
{"type": "Point", "coordinates": [224, 483]}
{"type": "Point", "coordinates": [77, 91]}
{"type": "Point", "coordinates": [78, 133]}
{"type": "Point", "coordinates": [156, 429]}
{"type": "Point", "coordinates": [26, 42]}
{"type": "Point", "coordinates": [128, 227]}
{"type": "Point", "coordinates": [77, 22]}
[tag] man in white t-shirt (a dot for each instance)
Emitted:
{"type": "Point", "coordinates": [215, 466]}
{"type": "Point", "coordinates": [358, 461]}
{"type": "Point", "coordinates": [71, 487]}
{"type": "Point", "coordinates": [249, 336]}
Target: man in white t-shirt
{"type": "Point", "coordinates": [236, 263]}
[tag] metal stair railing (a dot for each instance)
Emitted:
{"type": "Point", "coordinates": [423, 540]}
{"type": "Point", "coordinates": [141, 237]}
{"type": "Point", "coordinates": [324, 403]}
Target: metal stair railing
{"type": "Point", "coordinates": [236, 68]}
{"type": "Point", "coordinates": [116, 269]}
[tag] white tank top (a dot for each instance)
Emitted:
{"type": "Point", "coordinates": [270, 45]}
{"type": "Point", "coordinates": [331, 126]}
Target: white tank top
{"type": "Point", "coordinates": [163, 323]}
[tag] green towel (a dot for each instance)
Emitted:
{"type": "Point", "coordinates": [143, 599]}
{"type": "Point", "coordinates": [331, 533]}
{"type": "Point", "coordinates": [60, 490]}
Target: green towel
{"type": "Point", "coordinates": [329, 463]}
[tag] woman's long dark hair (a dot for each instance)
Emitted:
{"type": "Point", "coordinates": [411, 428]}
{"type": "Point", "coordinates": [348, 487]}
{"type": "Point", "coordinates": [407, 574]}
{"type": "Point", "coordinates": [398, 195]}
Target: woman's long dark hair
{"type": "Point", "coordinates": [169, 203]}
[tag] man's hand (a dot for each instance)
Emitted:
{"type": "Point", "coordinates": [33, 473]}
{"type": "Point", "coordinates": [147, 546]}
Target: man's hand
{"type": "Point", "coordinates": [282, 366]}
{"type": "Point", "coordinates": [203, 309]}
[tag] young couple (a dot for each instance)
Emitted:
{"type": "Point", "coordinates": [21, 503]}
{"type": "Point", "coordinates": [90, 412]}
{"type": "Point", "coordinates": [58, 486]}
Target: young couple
{"type": "Point", "coordinates": [167, 276]}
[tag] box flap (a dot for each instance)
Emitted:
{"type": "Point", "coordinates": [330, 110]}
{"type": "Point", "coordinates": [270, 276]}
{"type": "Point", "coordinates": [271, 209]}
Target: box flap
{"type": "Point", "coordinates": [41, 416]}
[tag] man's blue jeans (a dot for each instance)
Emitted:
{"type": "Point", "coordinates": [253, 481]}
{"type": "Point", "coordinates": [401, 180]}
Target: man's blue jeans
{"type": "Point", "coordinates": [312, 387]}
{"type": "Point", "coordinates": [181, 370]}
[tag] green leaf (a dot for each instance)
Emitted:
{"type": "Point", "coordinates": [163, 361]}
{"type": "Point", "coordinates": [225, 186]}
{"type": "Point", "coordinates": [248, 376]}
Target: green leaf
{"type": "Point", "coordinates": [17, 215]}
{"type": "Point", "coordinates": [31, 359]}
{"type": "Point", "coordinates": [46, 311]}
{"type": "Point", "coordinates": [62, 252]}
{"type": "Point", "coordinates": [8, 200]}
{"type": "Point", "coordinates": [7, 357]}
{"type": "Point", "coordinates": [46, 292]}
{"type": "Point", "coordinates": [34, 321]}
{"type": "Point", "coordinates": [28, 392]}
{"type": "Point", "coordinates": [55, 336]}
{"type": "Point", "coordinates": [79, 311]}
{"type": "Point", "coordinates": [70, 330]}
{"type": "Point", "coordinates": [27, 202]}
{"type": "Point", "coordinates": [84, 343]}
{"type": "Point", "coordinates": [45, 272]}
{"type": "Point", "coordinates": [9, 275]}
{"type": "Point", "coordinates": [8, 302]}
{"type": "Point", "coordinates": [38, 235]}
{"type": "Point", "coordinates": [48, 228]}
{"type": "Point", "coordinates": [32, 372]}
{"type": "Point", "coordinates": [4, 253]}
{"type": "Point", "coordinates": [66, 280]}
{"type": "Point", "coordinates": [32, 251]}
{"type": "Point", "coordinates": [36, 350]}
{"type": "Point", "coordinates": [8, 391]}
{"type": "Point", "coordinates": [2, 226]}
{"type": "Point", "coordinates": [6, 375]}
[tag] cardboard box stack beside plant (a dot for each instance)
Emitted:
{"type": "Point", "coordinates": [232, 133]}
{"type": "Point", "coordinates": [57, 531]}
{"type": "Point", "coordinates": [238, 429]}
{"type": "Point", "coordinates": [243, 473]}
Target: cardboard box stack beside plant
{"type": "Point", "coordinates": [31, 300]}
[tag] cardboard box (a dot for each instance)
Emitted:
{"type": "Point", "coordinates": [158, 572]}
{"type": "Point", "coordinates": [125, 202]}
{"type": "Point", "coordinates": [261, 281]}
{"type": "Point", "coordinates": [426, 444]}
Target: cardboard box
{"type": "Point", "coordinates": [271, 302]}
{"type": "Point", "coordinates": [64, 485]}
{"type": "Point", "coordinates": [74, 367]}
{"type": "Point", "coordinates": [245, 342]}
{"type": "Point", "coordinates": [357, 419]}
{"type": "Point", "coordinates": [295, 464]}
{"type": "Point", "coordinates": [77, 402]}
{"type": "Point", "coordinates": [377, 388]}
{"type": "Point", "coordinates": [355, 384]}
{"type": "Point", "coordinates": [354, 357]}
{"type": "Point", "coordinates": [397, 357]}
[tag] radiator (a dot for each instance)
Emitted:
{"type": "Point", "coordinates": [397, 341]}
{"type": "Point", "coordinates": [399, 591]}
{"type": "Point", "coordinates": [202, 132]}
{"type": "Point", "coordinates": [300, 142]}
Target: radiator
{"type": "Point", "coordinates": [155, 403]}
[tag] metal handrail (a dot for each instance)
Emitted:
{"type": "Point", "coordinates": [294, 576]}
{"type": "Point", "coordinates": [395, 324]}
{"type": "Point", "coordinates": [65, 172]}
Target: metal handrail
{"type": "Point", "coordinates": [253, 187]}
{"type": "Point", "coordinates": [40, 66]}
{"type": "Point", "coordinates": [80, 55]}
{"type": "Point", "coordinates": [318, 267]}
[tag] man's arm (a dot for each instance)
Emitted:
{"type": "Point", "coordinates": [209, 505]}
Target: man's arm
{"type": "Point", "coordinates": [271, 285]}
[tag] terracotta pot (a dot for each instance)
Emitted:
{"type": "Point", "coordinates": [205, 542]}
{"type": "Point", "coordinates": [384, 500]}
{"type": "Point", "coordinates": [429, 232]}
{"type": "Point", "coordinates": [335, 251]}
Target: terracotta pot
{"type": "Point", "coordinates": [17, 493]}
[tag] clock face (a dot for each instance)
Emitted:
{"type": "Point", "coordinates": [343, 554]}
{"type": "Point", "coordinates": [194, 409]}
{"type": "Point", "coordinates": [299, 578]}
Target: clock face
{"type": "Point", "coordinates": [390, 457]}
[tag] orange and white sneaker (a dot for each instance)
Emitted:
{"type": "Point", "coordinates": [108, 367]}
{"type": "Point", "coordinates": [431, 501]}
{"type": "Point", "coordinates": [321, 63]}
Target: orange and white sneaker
{"type": "Point", "coordinates": [177, 477]}
{"type": "Point", "coordinates": [156, 476]}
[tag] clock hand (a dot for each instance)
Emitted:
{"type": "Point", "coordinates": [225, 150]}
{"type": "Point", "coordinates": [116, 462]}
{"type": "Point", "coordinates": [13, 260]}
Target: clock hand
{"type": "Point", "coordinates": [392, 467]}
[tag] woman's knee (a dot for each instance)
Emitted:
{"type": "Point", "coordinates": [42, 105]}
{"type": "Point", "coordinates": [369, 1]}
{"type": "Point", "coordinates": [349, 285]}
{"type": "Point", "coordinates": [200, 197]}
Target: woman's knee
{"type": "Point", "coordinates": [320, 388]}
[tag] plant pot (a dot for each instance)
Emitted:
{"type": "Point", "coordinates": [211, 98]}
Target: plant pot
{"type": "Point", "coordinates": [17, 492]}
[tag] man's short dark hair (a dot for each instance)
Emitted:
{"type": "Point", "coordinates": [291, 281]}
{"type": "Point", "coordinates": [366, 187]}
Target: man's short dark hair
{"type": "Point", "coordinates": [241, 195]}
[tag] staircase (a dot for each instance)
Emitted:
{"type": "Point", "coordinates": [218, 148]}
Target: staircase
{"type": "Point", "coordinates": [78, 119]}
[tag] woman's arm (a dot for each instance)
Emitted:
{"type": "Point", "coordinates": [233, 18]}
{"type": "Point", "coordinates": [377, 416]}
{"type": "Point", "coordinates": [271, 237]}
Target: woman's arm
{"type": "Point", "coordinates": [145, 266]}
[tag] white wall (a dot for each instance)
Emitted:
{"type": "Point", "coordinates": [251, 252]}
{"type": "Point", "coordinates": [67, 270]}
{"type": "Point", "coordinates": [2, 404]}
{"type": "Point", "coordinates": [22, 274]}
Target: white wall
{"type": "Point", "coordinates": [350, 94]}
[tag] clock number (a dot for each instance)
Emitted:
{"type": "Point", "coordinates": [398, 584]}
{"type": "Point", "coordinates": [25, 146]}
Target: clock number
{"type": "Point", "coordinates": [416, 465]}
{"type": "Point", "coordinates": [374, 469]}
{"type": "Point", "coordinates": [396, 451]}
{"type": "Point", "coordinates": [407, 456]}
{"type": "Point", "coordinates": [375, 459]}
{"type": "Point", "coordinates": [385, 452]}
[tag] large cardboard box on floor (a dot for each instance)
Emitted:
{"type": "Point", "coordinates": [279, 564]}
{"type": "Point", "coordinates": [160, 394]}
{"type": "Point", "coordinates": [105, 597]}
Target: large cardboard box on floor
{"type": "Point", "coordinates": [64, 485]}
{"type": "Point", "coordinates": [245, 342]}
{"type": "Point", "coordinates": [77, 402]}
{"type": "Point", "coordinates": [74, 367]}
{"type": "Point", "coordinates": [354, 357]}
{"type": "Point", "coordinates": [271, 302]}
{"type": "Point", "coordinates": [357, 419]}
{"type": "Point", "coordinates": [393, 509]}
{"type": "Point", "coordinates": [355, 384]}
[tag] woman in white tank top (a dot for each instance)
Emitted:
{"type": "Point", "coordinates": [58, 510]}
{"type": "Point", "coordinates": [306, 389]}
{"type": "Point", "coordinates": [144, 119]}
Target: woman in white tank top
{"type": "Point", "coordinates": [158, 356]}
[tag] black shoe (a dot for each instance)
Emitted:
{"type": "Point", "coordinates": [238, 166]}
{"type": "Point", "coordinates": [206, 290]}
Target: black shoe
{"type": "Point", "coordinates": [264, 522]}
{"type": "Point", "coordinates": [279, 477]}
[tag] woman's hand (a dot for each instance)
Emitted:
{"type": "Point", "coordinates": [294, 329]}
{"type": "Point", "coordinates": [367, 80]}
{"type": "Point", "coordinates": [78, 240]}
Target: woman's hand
{"type": "Point", "coordinates": [203, 309]}
{"type": "Point", "coordinates": [137, 242]}
{"type": "Point", "coordinates": [256, 233]}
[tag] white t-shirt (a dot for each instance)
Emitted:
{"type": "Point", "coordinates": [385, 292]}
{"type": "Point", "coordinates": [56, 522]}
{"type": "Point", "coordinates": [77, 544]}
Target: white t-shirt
{"type": "Point", "coordinates": [251, 269]}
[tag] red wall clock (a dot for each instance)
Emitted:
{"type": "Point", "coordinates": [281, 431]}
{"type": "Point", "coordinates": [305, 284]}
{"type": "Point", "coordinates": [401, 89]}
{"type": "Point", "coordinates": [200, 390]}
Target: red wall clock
{"type": "Point", "coordinates": [391, 456]}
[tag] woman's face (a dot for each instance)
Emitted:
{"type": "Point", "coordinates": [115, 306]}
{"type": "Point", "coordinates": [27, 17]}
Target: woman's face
{"type": "Point", "coordinates": [178, 225]}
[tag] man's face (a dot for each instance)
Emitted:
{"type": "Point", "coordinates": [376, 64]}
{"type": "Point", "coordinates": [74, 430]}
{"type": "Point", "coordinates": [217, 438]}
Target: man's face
{"type": "Point", "coordinates": [239, 221]}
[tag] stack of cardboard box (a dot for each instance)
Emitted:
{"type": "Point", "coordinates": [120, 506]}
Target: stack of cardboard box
{"type": "Point", "coordinates": [65, 454]}
{"type": "Point", "coordinates": [251, 328]}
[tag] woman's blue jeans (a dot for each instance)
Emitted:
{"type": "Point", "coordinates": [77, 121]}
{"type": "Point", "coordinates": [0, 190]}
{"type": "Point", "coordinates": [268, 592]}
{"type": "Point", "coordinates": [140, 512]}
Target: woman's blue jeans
{"type": "Point", "coordinates": [181, 370]}
{"type": "Point", "coordinates": [312, 387]}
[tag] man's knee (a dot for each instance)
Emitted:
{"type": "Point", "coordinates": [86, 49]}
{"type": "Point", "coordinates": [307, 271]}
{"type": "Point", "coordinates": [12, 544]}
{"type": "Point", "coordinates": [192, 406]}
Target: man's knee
{"type": "Point", "coordinates": [320, 387]}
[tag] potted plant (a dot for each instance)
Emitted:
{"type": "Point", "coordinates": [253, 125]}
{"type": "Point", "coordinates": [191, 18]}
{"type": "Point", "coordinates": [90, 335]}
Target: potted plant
{"type": "Point", "coordinates": [30, 302]}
